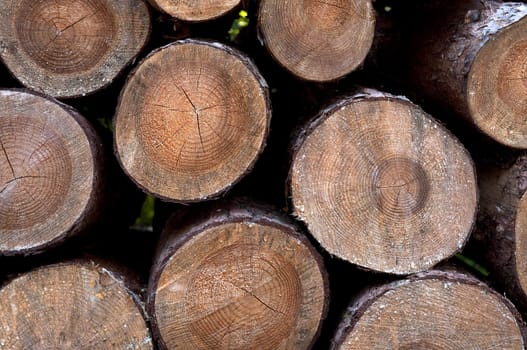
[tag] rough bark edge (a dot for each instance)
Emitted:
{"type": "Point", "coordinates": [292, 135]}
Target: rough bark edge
{"type": "Point", "coordinates": [263, 42]}
{"type": "Point", "coordinates": [183, 226]}
{"type": "Point", "coordinates": [368, 296]}
{"type": "Point", "coordinates": [365, 94]}
{"type": "Point", "coordinates": [94, 207]}
{"type": "Point", "coordinates": [249, 64]}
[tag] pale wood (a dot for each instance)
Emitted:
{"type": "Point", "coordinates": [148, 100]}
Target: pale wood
{"type": "Point", "coordinates": [192, 120]}
{"type": "Point", "coordinates": [76, 305]}
{"type": "Point", "coordinates": [197, 10]}
{"type": "Point", "coordinates": [68, 48]}
{"type": "Point", "coordinates": [381, 184]}
{"type": "Point", "coordinates": [317, 40]}
{"type": "Point", "coordinates": [238, 277]}
{"type": "Point", "coordinates": [50, 172]}
{"type": "Point", "coordinates": [432, 310]}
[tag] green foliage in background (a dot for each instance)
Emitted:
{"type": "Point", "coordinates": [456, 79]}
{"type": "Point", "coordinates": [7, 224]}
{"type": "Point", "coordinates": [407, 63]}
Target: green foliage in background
{"type": "Point", "coordinates": [238, 24]}
{"type": "Point", "coordinates": [147, 214]}
{"type": "Point", "coordinates": [473, 265]}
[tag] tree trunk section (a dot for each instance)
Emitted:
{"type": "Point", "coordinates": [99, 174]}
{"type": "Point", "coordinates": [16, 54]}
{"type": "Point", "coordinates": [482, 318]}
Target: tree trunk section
{"type": "Point", "coordinates": [191, 121]}
{"type": "Point", "coordinates": [197, 10]}
{"type": "Point", "coordinates": [239, 277]}
{"type": "Point", "coordinates": [50, 172]}
{"type": "Point", "coordinates": [76, 305]}
{"type": "Point", "coordinates": [317, 40]}
{"type": "Point", "coordinates": [431, 310]}
{"type": "Point", "coordinates": [381, 184]}
{"type": "Point", "coordinates": [469, 57]}
{"type": "Point", "coordinates": [69, 48]}
{"type": "Point", "coordinates": [502, 226]}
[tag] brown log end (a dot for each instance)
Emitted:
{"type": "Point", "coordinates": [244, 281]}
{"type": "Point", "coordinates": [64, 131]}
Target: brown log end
{"type": "Point", "coordinates": [69, 48]}
{"type": "Point", "coordinates": [197, 10]}
{"type": "Point", "coordinates": [382, 185]}
{"type": "Point", "coordinates": [433, 311]}
{"type": "Point", "coordinates": [520, 254]}
{"type": "Point", "coordinates": [317, 40]}
{"type": "Point", "coordinates": [71, 306]}
{"type": "Point", "coordinates": [191, 121]}
{"type": "Point", "coordinates": [50, 179]}
{"type": "Point", "coordinates": [238, 281]}
{"type": "Point", "coordinates": [497, 87]}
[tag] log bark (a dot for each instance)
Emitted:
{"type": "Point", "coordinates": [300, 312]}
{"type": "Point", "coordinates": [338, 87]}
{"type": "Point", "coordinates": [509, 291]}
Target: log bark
{"type": "Point", "coordinates": [431, 310]}
{"type": "Point", "coordinates": [191, 121]}
{"type": "Point", "coordinates": [316, 40]}
{"type": "Point", "coordinates": [71, 48]}
{"type": "Point", "coordinates": [237, 276]}
{"type": "Point", "coordinates": [197, 10]}
{"type": "Point", "coordinates": [468, 56]}
{"type": "Point", "coordinates": [502, 228]}
{"type": "Point", "coordinates": [51, 179]}
{"type": "Point", "coordinates": [75, 305]}
{"type": "Point", "coordinates": [381, 184]}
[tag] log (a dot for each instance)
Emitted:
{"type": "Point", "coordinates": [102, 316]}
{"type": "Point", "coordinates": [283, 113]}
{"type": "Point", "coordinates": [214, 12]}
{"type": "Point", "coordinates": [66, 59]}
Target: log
{"type": "Point", "coordinates": [197, 10]}
{"type": "Point", "coordinates": [381, 184]}
{"type": "Point", "coordinates": [432, 310]}
{"type": "Point", "coordinates": [69, 48]}
{"type": "Point", "coordinates": [236, 277]}
{"type": "Point", "coordinates": [51, 176]}
{"type": "Point", "coordinates": [75, 305]}
{"type": "Point", "coordinates": [467, 56]}
{"type": "Point", "coordinates": [317, 40]}
{"type": "Point", "coordinates": [501, 231]}
{"type": "Point", "coordinates": [191, 121]}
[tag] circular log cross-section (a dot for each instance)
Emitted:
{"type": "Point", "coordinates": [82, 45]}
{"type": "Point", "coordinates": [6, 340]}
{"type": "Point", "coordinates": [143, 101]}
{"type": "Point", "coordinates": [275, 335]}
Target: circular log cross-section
{"type": "Point", "coordinates": [66, 48]}
{"type": "Point", "coordinates": [71, 306]}
{"type": "Point", "coordinates": [317, 40]}
{"type": "Point", "coordinates": [497, 86]}
{"type": "Point", "coordinates": [236, 281]}
{"type": "Point", "coordinates": [197, 10]}
{"type": "Point", "coordinates": [191, 121]}
{"type": "Point", "coordinates": [49, 172]}
{"type": "Point", "coordinates": [382, 185]}
{"type": "Point", "coordinates": [435, 311]}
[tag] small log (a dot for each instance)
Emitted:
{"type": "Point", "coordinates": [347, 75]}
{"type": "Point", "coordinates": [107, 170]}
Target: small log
{"type": "Point", "coordinates": [191, 121]}
{"type": "Point", "coordinates": [502, 226]}
{"type": "Point", "coordinates": [317, 40]}
{"type": "Point", "coordinates": [236, 277]}
{"type": "Point", "coordinates": [69, 48]}
{"type": "Point", "coordinates": [381, 184]}
{"type": "Point", "coordinates": [76, 305]}
{"type": "Point", "coordinates": [469, 56]}
{"type": "Point", "coordinates": [50, 172]}
{"type": "Point", "coordinates": [197, 10]}
{"type": "Point", "coordinates": [432, 310]}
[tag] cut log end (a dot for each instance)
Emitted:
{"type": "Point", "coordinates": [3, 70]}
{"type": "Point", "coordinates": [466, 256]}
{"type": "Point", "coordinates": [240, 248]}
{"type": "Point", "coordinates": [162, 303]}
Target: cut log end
{"type": "Point", "coordinates": [71, 48]}
{"type": "Point", "coordinates": [497, 86]}
{"type": "Point", "coordinates": [71, 306]}
{"type": "Point", "coordinates": [192, 120]}
{"type": "Point", "coordinates": [318, 40]}
{"type": "Point", "coordinates": [374, 180]}
{"type": "Point", "coordinates": [241, 285]}
{"type": "Point", "coordinates": [200, 10]}
{"type": "Point", "coordinates": [431, 313]}
{"type": "Point", "coordinates": [520, 248]}
{"type": "Point", "coordinates": [48, 171]}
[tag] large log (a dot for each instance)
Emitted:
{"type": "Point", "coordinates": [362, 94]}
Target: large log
{"type": "Point", "coordinates": [192, 120]}
{"type": "Point", "coordinates": [50, 172]}
{"type": "Point", "coordinates": [237, 277]}
{"type": "Point", "coordinates": [468, 56]}
{"type": "Point", "coordinates": [70, 48]}
{"type": "Point", "coordinates": [381, 184]}
{"type": "Point", "coordinates": [317, 40]}
{"type": "Point", "coordinates": [74, 305]}
{"type": "Point", "coordinates": [197, 10]}
{"type": "Point", "coordinates": [432, 310]}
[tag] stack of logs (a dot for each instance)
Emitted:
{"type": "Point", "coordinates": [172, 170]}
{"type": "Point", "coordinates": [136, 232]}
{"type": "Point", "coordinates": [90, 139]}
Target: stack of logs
{"type": "Point", "coordinates": [397, 131]}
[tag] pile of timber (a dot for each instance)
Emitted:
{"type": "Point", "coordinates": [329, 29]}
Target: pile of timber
{"type": "Point", "coordinates": [333, 176]}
